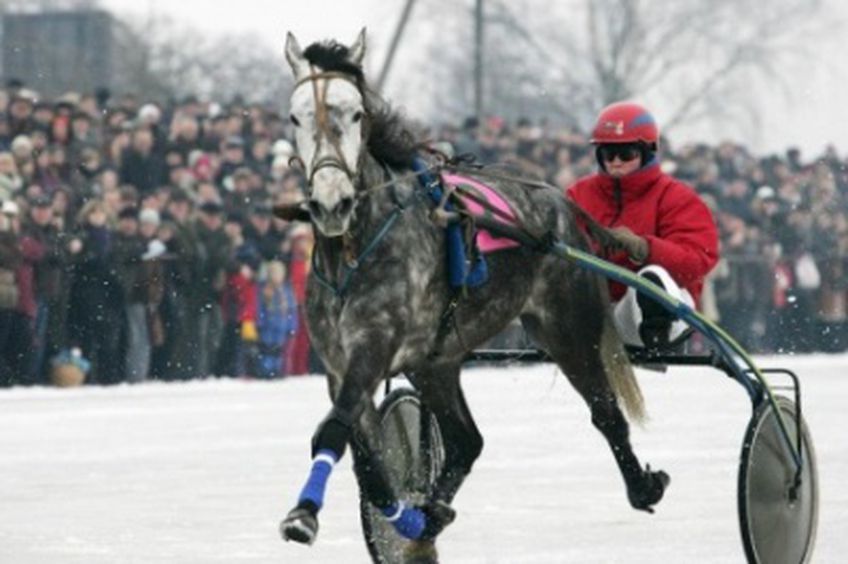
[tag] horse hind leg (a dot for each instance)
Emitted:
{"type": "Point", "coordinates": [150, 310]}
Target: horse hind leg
{"type": "Point", "coordinates": [591, 355]}
{"type": "Point", "coordinates": [376, 488]}
{"type": "Point", "coordinates": [442, 394]}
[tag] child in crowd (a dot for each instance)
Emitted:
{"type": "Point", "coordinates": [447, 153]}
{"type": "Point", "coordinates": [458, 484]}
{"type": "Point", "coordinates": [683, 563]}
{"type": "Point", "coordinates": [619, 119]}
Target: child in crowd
{"type": "Point", "coordinates": [239, 311]}
{"type": "Point", "coordinates": [277, 321]}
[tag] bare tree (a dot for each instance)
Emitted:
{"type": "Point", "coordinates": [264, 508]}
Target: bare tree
{"type": "Point", "coordinates": [569, 58]}
{"type": "Point", "coordinates": [26, 6]}
{"type": "Point", "coordinates": [163, 59]}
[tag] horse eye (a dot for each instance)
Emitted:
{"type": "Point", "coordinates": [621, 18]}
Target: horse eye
{"type": "Point", "coordinates": [357, 116]}
{"type": "Point", "coordinates": [294, 120]}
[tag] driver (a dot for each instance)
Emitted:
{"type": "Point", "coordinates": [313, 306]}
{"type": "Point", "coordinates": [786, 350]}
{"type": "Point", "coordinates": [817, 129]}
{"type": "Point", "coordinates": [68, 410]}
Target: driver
{"type": "Point", "coordinates": [660, 227]}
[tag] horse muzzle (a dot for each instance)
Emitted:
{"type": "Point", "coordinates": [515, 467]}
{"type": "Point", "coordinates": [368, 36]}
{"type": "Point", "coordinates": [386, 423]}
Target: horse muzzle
{"type": "Point", "coordinates": [332, 198]}
{"type": "Point", "coordinates": [335, 221]}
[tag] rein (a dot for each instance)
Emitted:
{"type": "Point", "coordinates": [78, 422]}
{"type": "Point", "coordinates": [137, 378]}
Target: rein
{"type": "Point", "coordinates": [596, 231]}
{"type": "Point", "coordinates": [296, 212]}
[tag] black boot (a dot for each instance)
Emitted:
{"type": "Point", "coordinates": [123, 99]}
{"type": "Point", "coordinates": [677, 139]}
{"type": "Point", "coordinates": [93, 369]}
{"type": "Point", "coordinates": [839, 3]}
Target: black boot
{"type": "Point", "coordinates": [656, 320]}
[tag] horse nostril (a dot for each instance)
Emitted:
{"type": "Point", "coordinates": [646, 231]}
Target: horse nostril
{"type": "Point", "coordinates": [316, 210]}
{"type": "Point", "coordinates": [345, 206]}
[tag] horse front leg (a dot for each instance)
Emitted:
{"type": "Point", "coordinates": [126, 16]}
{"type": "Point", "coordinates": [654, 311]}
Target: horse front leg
{"type": "Point", "coordinates": [342, 424]}
{"type": "Point", "coordinates": [329, 442]}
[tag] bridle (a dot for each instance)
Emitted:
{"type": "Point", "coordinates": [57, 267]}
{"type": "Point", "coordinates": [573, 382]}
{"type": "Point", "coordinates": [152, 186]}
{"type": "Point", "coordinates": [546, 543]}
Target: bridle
{"type": "Point", "coordinates": [322, 120]}
{"type": "Point", "coordinates": [323, 124]}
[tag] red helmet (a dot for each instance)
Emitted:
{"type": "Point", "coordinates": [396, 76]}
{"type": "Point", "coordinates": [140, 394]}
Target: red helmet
{"type": "Point", "coordinates": [625, 122]}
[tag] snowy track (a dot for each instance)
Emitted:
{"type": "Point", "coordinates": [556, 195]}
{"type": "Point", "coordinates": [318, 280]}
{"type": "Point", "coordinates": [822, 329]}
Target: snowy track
{"type": "Point", "coordinates": [202, 472]}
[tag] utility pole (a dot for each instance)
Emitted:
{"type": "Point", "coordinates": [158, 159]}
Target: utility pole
{"type": "Point", "coordinates": [478, 58]}
{"type": "Point", "coordinates": [404, 18]}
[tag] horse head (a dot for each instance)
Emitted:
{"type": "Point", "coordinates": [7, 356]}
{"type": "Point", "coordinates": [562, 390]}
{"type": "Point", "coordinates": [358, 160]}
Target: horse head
{"type": "Point", "coordinates": [329, 117]}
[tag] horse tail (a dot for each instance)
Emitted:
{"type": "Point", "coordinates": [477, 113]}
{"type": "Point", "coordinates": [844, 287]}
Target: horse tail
{"type": "Point", "coordinates": [620, 374]}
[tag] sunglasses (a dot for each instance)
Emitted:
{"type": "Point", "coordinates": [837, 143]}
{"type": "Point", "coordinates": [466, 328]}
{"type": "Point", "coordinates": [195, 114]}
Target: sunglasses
{"type": "Point", "coordinates": [624, 151]}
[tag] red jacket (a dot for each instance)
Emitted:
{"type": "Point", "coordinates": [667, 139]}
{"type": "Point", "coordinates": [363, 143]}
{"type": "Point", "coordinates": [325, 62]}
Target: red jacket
{"type": "Point", "coordinates": [681, 234]}
{"type": "Point", "coordinates": [32, 251]}
{"type": "Point", "coordinates": [239, 301]}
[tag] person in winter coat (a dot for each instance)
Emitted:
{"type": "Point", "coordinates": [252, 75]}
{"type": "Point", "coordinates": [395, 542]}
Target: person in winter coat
{"type": "Point", "coordinates": [128, 250]}
{"type": "Point", "coordinates": [32, 253]}
{"type": "Point", "coordinates": [11, 182]}
{"type": "Point", "coordinates": [141, 165]}
{"type": "Point", "coordinates": [96, 309]}
{"type": "Point", "coordinates": [239, 309]}
{"type": "Point", "coordinates": [50, 296]}
{"type": "Point", "coordinates": [298, 348]}
{"type": "Point", "coordinates": [10, 260]}
{"type": "Point", "coordinates": [277, 320]}
{"type": "Point", "coordinates": [661, 228]}
{"type": "Point", "coordinates": [213, 255]}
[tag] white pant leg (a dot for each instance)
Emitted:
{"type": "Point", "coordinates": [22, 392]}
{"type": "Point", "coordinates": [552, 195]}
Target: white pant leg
{"type": "Point", "coordinates": [628, 316]}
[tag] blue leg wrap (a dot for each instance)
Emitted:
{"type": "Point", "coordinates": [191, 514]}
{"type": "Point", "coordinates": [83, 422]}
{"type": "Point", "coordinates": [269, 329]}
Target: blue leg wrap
{"type": "Point", "coordinates": [409, 522]}
{"type": "Point", "coordinates": [316, 484]}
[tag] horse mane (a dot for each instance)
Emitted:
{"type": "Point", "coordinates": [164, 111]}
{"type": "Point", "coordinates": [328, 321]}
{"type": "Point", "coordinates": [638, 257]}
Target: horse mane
{"type": "Point", "coordinates": [391, 139]}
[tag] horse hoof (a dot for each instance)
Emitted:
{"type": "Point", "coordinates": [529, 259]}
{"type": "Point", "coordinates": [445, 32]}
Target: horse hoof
{"type": "Point", "coordinates": [300, 525]}
{"type": "Point", "coordinates": [649, 491]}
{"type": "Point", "coordinates": [439, 515]}
{"type": "Point", "coordinates": [420, 552]}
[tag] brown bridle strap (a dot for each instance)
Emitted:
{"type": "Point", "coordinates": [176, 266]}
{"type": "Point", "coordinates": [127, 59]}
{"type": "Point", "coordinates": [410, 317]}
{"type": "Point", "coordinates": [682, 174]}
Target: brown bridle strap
{"type": "Point", "coordinates": [325, 75]}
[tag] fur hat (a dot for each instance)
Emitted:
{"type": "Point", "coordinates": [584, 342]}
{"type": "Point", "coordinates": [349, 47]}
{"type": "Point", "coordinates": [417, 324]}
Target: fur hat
{"type": "Point", "coordinates": [149, 113]}
{"type": "Point", "coordinates": [149, 215]}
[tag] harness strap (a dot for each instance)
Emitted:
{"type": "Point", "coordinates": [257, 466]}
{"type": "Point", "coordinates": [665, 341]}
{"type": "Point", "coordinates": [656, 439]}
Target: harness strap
{"type": "Point", "coordinates": [446, 323]}
{"type": "Point", "coordinates": [351, 266]}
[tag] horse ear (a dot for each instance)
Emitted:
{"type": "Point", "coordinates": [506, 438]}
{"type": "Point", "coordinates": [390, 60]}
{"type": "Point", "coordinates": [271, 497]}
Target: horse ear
{"type": "Point", "coordinates": [294, 55]}
{"type": "Point", "coordinates": [357, 50]}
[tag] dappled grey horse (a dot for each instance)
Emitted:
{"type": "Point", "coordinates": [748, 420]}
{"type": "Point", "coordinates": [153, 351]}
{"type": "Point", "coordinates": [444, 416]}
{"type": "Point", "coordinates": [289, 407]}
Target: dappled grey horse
{"type": "Point", "coordinates": [380, 302]}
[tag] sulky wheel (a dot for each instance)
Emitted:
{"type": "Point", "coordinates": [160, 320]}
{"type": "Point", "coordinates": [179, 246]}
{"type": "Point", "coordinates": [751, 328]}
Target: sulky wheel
{"type": "Point", "coordinates": [413, 456]}
{"type": "Point", "coordinates": [777, 517]}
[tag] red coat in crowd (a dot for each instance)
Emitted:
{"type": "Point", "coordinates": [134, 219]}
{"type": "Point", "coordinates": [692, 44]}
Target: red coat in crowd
{"type": "Point", "coordinates": [239, 299]}
{"type": "Point", "coordinates": [681, 234]}
{"type": "Point", "coordinates": [32, 252]}
{"type": "Point", "coordinates": [298, 346]}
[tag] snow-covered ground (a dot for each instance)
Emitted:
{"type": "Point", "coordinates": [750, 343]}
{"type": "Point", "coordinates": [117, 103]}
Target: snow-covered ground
{"type": "Point", "coordinates": [202, 472]}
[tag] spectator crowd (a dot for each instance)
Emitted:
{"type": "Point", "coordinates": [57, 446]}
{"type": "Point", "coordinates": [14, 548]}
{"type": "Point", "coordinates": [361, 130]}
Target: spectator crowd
{"type": "Point", "coordinates": [141, 241]}
{"type": "Point", "coordinates": [140, 238]}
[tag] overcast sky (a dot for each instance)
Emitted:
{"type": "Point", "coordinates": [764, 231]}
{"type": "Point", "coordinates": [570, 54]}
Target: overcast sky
{"type": "Point", "coordinates": [814, 115]}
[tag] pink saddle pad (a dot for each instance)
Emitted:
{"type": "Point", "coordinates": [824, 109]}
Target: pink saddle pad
{"type": "Point", "coordinates": [486, 242]}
